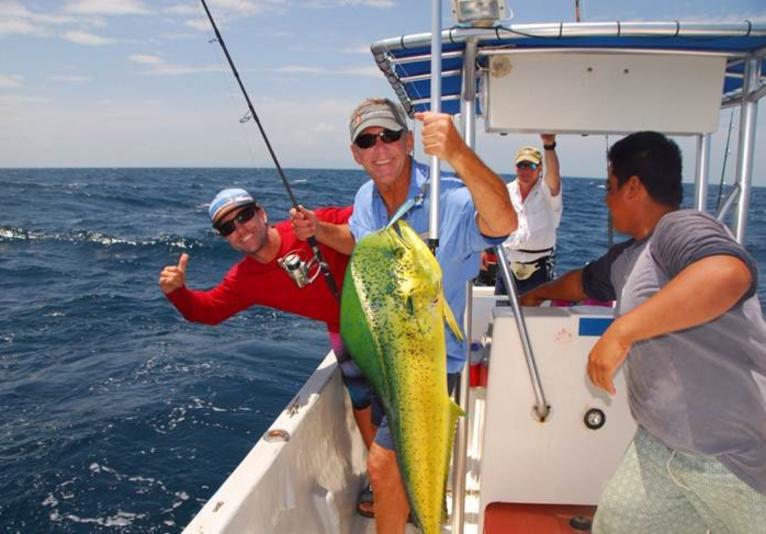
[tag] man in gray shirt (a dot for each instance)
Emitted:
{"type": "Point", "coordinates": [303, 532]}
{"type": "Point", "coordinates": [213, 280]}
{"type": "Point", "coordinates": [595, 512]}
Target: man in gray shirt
{"type": "Point", "coordinates": [690, 326]}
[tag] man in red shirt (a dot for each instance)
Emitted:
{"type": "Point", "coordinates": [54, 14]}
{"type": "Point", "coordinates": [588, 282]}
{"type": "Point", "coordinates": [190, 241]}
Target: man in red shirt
{"type": "Point", "coordinates": [262, 277]}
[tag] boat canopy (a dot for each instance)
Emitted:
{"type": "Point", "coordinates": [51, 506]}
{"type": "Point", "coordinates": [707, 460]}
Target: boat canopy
{"type": "Point", "coordinates": [406, 60]}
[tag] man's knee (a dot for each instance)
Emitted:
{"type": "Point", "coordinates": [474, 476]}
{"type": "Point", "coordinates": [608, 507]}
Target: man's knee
{"type": "Point", "coordinates": [381, 464]}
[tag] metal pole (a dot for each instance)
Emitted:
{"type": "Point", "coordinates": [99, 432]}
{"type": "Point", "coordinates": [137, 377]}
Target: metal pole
{"type": "Point", "coordinates": [460, 453]}
{"type": "Point", "coordinates": [702, 172]}
{"type": "Point", "coordinates": [746, 146]}
{"type": "Point", "coordinates": [609, 225]}
{"type": "Point", "coordinates": [541, 405]}
{"type": "Point", "coordinates": [468, 99]}
{"type": "Point", "coordinates": [436, 106]}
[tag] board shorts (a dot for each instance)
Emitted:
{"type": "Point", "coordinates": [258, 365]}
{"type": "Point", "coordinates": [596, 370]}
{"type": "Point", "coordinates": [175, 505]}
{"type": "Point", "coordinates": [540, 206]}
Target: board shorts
{"type": "Point", "coordinates": [357, 385]}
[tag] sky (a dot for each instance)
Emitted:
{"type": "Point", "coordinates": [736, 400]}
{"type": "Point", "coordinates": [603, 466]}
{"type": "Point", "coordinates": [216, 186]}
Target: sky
{"type": "Point", "coordinates": [137, 83]}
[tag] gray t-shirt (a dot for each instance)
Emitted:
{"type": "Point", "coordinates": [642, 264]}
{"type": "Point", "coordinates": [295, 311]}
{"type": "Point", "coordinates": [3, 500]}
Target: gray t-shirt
{"type": "Point", "coordinates": [701, 389]}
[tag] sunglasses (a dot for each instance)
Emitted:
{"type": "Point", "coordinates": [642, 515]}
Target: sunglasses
{"type": "Point", "coordinates": [526, 165]}
{"type": "Point", "coordinates": [367, 140]}
{"type": "Point", "coordinates": [245, 215]}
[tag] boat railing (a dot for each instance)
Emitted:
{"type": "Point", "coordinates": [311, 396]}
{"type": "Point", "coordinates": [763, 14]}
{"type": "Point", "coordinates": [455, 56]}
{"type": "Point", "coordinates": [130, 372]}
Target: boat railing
{"type": "Point", "coordinates": [541, 407]}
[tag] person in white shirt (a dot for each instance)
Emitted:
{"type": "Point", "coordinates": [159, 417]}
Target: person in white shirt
{"type": "Point", "coordinates": [536, 197]}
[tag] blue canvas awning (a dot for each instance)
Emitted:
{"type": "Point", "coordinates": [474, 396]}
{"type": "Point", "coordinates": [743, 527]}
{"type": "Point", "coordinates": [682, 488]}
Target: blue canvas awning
{"type": "Point", "coordinates": [406, 60]}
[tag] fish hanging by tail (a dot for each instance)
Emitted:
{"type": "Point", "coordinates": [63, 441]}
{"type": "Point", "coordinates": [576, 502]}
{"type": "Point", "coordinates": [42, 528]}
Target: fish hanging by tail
{"type": "Point", "coordinates": [393, 315]}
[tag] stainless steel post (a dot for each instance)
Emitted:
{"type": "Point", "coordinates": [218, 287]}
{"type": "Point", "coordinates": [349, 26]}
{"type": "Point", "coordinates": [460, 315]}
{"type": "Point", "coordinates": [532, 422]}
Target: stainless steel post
{"type": "Point", "coordinates": [468, 127]}
{"type": "Point", "coordinates": [702, 172]}
{"type": "Point", "coordinates": [541, 405]}
{"type": "Point", "coordinates": [436, 106]}
{"type": "Point", "coordinates": [746, 146]}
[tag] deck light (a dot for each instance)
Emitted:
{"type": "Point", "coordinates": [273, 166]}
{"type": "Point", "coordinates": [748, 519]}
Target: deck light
{"type": "Point", "coordinates": [479, 13]}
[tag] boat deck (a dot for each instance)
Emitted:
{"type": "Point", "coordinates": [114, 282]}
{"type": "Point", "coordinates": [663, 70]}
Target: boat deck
{"type": "Point", "coordinates": [514, 518]}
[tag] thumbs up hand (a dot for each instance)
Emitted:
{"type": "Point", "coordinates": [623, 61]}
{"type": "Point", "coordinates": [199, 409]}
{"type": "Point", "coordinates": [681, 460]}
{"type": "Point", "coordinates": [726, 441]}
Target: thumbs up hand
{"type": "Point", "coordinates": [173, 277]}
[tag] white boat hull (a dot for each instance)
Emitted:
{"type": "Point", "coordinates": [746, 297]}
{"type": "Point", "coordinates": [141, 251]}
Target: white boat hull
{"type": "Point", "coordinates": [308, 484]}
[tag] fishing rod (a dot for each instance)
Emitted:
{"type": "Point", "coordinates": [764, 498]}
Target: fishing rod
{"type": "Point", "coordinates": [324, 268]}
{"type": "Point", "coordinates": [725, 157]}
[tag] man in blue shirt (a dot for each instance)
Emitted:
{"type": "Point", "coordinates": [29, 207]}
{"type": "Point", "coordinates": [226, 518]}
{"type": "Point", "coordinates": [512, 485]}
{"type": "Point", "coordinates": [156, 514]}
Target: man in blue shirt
{"type": "Point", "coordinates": [475, 213]}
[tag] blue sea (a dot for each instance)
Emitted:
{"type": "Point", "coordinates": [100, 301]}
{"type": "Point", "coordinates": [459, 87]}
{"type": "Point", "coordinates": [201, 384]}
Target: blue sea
{"type": "Point", "coordinates": [116, 415]}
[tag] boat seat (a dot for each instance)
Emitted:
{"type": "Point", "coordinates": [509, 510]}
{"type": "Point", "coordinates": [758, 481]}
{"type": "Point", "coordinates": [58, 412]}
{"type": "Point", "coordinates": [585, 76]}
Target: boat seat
{"type": "Point", "coordinates": [523, 518]}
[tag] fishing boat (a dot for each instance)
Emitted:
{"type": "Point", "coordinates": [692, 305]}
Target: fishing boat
{"type": "Point", "coordinates": [539, 442]}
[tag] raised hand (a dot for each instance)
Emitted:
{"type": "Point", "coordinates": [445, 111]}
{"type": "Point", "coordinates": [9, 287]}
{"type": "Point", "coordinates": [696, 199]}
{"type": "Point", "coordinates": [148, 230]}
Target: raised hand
{"type": "Point", "coordinates": [173, 277]}
{"type": "Point", "coordinates": [548, 139]}
{"type": "Point", "coordinates": [439, 135]}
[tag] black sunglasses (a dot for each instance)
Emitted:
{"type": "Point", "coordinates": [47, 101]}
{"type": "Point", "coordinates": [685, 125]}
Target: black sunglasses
{"type": "Point", "coordinates": [367, 140]}
{"type": "Point", "coordinates": [526, 165]}
{"type": "Point", "coordinates": [226, 229]}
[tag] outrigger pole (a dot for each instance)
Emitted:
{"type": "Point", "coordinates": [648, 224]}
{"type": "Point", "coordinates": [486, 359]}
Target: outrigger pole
{"type": "Point", "coordinates": [311, 240]}
{"type": "Point", "coordinates": [436, 107]}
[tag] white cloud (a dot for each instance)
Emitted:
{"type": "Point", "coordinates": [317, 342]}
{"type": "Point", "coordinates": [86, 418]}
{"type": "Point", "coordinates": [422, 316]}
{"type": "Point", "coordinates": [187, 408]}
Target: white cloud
{"type": "Point", "coordinates": [301, 69]}
{"type": "Point", "coordinates": [164, 69]}
{"type": "Point", "coordinates": [368, 3]}
{"type": "Point", "coordinates": [243, 7]}
{"type": "Point", "coordinates": [19, 27]}
{"type": "Point", "coordinates": [383, 4]}
{"type": "Point", "coordinates": [223, 11]}
{"type": "Point", "coordinates": [108, 7]}
{"type": "Point", "coordinates": [70, 78]}
{"type": "Point", "coordinates": [370, 70]}
{"type": "Point", "coordinates": [16, 102]}
{"type": "Point", "coordinates": [85, 38]}
{"type": "Point", "coordinates": [347, 71]}
{"type": "Point", "coordinates": [17, 19]}
{"type": "Point", "coordinates": [200, 24]}
{"type": "Point", "coordinates": [10, 81]}
{"type": "Point", "coordinates": [361, 49]}
{"type": "Point", "coordinates": [177, 36]}
{"type": "Point", "coordinates": [146, 59]}
{"type": "Point", "coordinates": [11, 7]}
{"type": "Point", "coordinates": [184, 9]}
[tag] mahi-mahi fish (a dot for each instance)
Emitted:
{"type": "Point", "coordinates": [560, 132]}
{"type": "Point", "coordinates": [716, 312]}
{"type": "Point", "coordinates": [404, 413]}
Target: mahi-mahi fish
{"type": "Point", "coordinates": [393, 312]}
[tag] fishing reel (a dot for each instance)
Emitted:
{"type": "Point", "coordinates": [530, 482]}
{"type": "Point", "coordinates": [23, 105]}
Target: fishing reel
{"type": "Point", "coordinates": [301, 272]}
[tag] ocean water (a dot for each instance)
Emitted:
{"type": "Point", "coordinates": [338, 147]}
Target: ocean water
{"type": "Point", "coordinates": [116, 415]}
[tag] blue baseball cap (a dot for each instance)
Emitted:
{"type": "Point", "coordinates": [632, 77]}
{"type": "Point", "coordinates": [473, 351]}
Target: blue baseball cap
{"type": "Point", "coordinates": [228, 199]}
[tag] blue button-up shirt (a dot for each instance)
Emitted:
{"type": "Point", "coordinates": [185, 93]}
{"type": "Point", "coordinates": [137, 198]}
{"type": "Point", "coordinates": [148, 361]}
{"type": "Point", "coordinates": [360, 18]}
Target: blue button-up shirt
{"type": "Point", "coordinates": [460, 242]}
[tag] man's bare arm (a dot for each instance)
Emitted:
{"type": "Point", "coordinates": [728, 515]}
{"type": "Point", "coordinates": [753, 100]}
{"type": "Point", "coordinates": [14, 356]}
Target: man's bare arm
{"type": "Point", "coordinates": [567, 287]}
{"type": "Point", "coordinates": [337, 236]}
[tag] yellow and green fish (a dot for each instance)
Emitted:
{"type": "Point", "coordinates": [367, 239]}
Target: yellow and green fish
{"type": "Point", "coordinates": [393, 312]}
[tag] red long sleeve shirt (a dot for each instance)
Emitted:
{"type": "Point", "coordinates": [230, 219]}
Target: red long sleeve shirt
{"type": "Point", "coordinates": [249, 282]}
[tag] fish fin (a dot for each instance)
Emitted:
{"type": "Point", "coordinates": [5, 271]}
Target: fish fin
{"type": "Point", "coordinates": [455, 412]}
{"type": "Point", "coordinates": [450, 318]}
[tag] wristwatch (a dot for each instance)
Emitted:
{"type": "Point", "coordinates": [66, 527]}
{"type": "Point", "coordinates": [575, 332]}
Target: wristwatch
{"type": "Point", "coordinates": [550, 147]}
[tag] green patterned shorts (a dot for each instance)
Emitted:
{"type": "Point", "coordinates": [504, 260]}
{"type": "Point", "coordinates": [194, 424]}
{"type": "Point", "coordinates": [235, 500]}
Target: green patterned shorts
{"type": "Point", "coordinates": [657, 490]}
